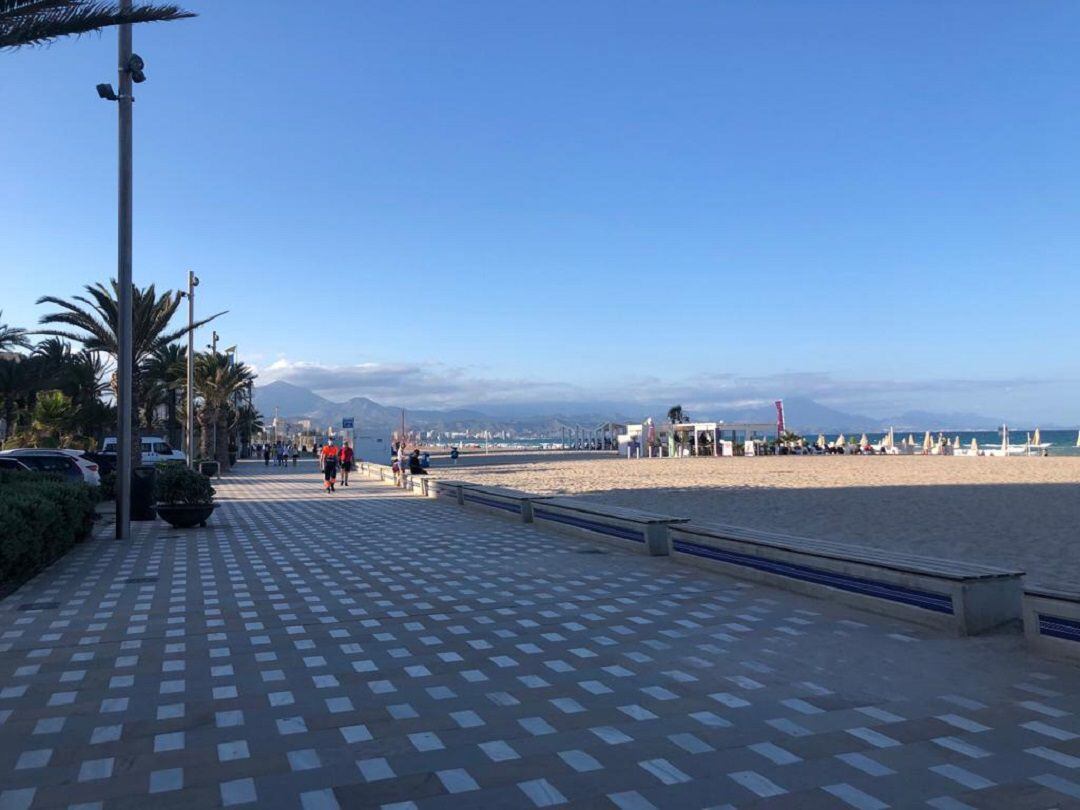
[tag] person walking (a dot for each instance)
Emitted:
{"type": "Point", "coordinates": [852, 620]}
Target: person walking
{"type": "Point", "coordinates": [402, 463]}
{"type": "Point", "coordinates": [329, 465]}
{"type": "Point", "coordinates": [266, 455]}
{"type": "Point", "coordinates": [295, 454]}
{"type": "Point", "coordinates": [346, 459]}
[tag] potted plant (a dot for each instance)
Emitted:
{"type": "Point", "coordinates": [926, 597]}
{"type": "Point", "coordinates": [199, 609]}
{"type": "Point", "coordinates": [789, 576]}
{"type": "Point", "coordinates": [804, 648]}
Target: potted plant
{"type": "Point", "coordinates": [185, 497]}
{"type": "Point", "coordinates": [208, 467]}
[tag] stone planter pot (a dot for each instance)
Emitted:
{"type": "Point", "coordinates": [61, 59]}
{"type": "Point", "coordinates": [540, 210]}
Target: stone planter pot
{"type": "Point", "coordinates": [185, 515]}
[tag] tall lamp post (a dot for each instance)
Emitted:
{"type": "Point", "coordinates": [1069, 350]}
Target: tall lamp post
{"type": "Point", "coordinates": [130, 69]}
{"type": "Point", "coordinates": [193, 282]}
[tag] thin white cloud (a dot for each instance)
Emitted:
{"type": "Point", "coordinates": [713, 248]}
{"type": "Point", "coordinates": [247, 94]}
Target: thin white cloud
{"type": "Point", "coordinates": [437, 385]}
{"type": "Point", "coordinates": [422, 385]}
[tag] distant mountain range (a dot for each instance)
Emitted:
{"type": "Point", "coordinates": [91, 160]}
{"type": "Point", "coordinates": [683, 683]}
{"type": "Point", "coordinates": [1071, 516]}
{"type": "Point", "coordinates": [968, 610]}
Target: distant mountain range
{"type": "Point", "coordinates": [548, 418]}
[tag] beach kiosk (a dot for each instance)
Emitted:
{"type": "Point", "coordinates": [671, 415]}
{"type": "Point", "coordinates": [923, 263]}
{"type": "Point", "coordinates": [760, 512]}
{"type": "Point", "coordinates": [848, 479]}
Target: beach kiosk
{"type": "Point", "coordinates": [688, 439]}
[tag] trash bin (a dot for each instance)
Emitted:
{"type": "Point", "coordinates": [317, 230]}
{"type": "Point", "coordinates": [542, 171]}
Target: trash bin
{"type": "Point", "coordinates": [208, 468]}
{"type": "Point", "coordinates": [142, 493]}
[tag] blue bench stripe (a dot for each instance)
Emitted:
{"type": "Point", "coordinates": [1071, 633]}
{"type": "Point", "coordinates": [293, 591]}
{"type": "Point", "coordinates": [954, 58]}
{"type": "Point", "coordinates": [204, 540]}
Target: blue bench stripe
{"type": "Point", "coordinates": [939, 603]}
{"type": "Point", "coordinates": [1058, 627]}
{"type": "Point", "coordinates": [509, 507]}
{"type": "Point", "coordinates": [591, 525]}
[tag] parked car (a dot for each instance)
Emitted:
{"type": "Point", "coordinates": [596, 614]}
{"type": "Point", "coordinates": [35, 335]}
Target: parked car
{"type": "Point", "coordinates": [154, 450]}
{"type": "Point", "coordinates": [89, 469]}
{"type": "Point", "coordinates": [106, 462]}
{"type": "Point", "coordinates": [51, 461]}
{"type": "Point", "coordinates": [10, 463]}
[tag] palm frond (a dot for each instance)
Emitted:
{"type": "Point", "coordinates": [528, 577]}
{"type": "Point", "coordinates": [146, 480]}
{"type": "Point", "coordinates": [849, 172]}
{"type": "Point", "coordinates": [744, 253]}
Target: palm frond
{"type": "Point", "coordinates": [36, 22]}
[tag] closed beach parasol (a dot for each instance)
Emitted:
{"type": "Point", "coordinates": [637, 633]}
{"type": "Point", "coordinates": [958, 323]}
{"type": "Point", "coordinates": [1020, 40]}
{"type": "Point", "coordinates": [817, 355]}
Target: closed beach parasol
{"type": "Point", "coordinates": [956, 442]}
{"type": "Point", "coordinates": [889, 438]}
{"type": "Point", "coordinates": [910, 440]}
{"type": "Point", "coordinates": [927, 443]}
{"type": "Point", "coordinates": [821, 441]}
{"type": "Point", "coordinates": [840, 440]}
{"type": "Point", "coordinates": [974, 446]}
{"type": "Point", "coordinates": [1038, 436]}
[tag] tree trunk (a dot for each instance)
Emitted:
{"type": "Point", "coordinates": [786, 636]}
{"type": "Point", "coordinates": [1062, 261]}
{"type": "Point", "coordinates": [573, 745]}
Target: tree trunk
{"type": "Point", "coordinates": [136, 432]}
{"type": "Point", "coordinates": [221, 429]}
{"type": "Point", "coordinates": [207, 423]}
{"type": "Point", "coordinates": [9, 418]}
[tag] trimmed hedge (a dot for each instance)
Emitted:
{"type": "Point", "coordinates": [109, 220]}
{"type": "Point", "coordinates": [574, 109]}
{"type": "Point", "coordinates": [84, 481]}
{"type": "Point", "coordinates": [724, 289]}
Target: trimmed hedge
{"type": "Point", "coordinates": [42, 517]}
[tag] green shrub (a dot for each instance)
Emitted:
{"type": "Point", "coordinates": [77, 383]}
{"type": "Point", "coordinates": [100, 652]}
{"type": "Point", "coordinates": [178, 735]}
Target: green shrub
{"type": "Point", "coordinates": [107, 489]}
{"type": "Point", "coordinates": [176, 484]}
{"type": "Point", "coordinates": [42, 517]}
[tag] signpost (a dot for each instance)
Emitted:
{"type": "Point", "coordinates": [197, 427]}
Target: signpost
{"type": "Point", "coordinates": [348, 425]}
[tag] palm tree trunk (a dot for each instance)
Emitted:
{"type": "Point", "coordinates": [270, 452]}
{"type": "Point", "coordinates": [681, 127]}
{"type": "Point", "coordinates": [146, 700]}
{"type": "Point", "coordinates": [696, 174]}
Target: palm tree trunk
{"type": "Point", "coordinates": [9, 417]}
{"type": "Point", "coordinates": [207, 419]}
{"type": "Point", "coordinates": [221, 429]}
{"type": "Point", "coordinates": [136, 433]}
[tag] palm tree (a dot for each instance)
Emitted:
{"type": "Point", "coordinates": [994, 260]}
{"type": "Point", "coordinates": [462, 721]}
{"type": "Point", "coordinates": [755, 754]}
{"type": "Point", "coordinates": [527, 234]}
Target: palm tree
{"type": "Point", "coordinates": [164, 373]}
{"type": "Point", "coordinates": [16, 384]}
{"type": "Point", "coordinates": [248, 423]}
{"type": "Point", "coordinates": [218, 379]}
{"type": "Point", "coordinates": [11, 337]}
{"type": "Point", "coordinates": [35, 22]}
{"type": "Point", "coordinates": [53, 417]}
{"type": "Point", "coordinates": [93, 320]}
{"type": "Point", "coordinates": [52, 356]}
{"type": "Point", "coordinates": [675, 414]}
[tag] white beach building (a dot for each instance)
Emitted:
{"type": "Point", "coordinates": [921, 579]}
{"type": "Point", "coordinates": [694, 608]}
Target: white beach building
{"type": "Point", "coordinates": [686, 439]}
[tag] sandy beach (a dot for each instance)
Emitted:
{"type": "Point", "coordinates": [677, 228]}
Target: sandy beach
{"type": "Point", "coordinates": [1022, 512]}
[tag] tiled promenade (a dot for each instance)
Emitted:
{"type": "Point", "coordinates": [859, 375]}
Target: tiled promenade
{"type": "Point", "coordinates": [377, 649]}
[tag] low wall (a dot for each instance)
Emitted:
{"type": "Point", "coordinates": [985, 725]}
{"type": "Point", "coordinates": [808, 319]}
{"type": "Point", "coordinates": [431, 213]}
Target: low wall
{"type": "Point", "coordinates": [642, 532]}
{"type": "Point", "coordinates": [960, 598]}
{"type": "Point", "coordinates": [1052, 622]}
{"type": "Point", "coordinates": [500, 500]}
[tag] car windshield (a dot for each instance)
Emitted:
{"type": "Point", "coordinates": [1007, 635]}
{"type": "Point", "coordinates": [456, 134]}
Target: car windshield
{"type": "Point", "coordinates": [10, 464]}
{"type": "Point", "coordinates": [162, 448]}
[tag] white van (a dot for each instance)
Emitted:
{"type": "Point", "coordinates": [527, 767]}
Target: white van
{"type": "Point", "coordinates": [154, 450]}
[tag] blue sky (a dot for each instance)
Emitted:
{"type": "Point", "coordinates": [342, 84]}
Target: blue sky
{"type": "Point", "coordinates": [441, 203]}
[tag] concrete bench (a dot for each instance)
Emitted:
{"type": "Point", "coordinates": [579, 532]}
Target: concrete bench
{"type": "Point", "coordinates": [961, 598]}
{"type": "Point", "coordinates": [1052, 622]}
{"type": "Point", "coordinates": [445, 489]}
{"type": "Point", "coordinates": [500, 500]}
{"type": "Point", "coordinates": [380, 472]}
{"type": "Point", "coordinates": [643, 532]}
